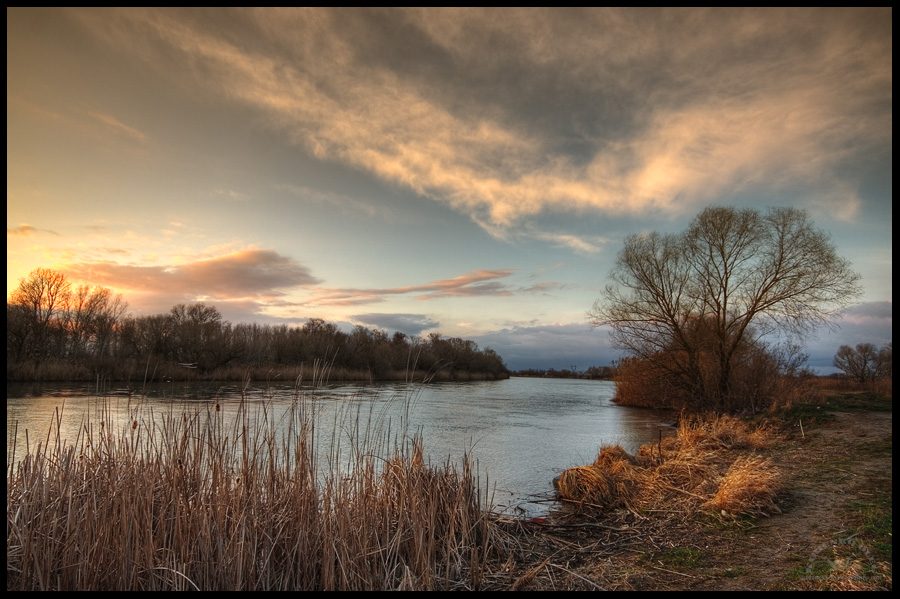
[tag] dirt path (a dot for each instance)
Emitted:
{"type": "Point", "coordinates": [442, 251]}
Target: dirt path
{"type": "Point", "coordinates": [832, 467]}
{"type": "Point", "coordinates": [833, 476]}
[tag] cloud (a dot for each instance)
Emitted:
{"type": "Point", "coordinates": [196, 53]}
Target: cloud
{"type": "Point", "coordinates": [544, 287]}
{"type": "Point", "coordinates": [26, 230]}
{"type": "Point", "coordinates": [81, 122]}
{"type": "Point", "coordinates": [250, 276]}
{"type": "Point", "coordinates": [348, 206]}
{"type": "Point", "coordinates": [870, 322]}
{"type": "Point", "coordinates": [114, 124]}
{"type": "Point", "coordinates": [231, 194]}
{"type": "Point", "coordinates": [550, 346]}
{"type": "Point", "coordinates": [525, 345]}
{"type": "Point", "coordinates": [507, 115]}
{"type": "Point", "coordinates": [410, 324]}
{"type": "Point", "coordinates": [23, 230]}
{"type": "Point", "coordinates": [473, 284]}
{"type": "Point", "coordinates": [876, 313]}
{"type": "Point", "coordinates": [583, 245]}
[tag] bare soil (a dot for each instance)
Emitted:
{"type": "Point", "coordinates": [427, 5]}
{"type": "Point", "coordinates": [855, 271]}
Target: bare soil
{"type": "Point", "coordinates": [819, 541]}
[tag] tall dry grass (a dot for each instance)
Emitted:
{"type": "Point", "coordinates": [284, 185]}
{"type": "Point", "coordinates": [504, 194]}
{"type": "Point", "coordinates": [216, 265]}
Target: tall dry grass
{"type": "Point", "coordinates": [704, 467]}
{"type": "Point", "coordinates": [189, 501]}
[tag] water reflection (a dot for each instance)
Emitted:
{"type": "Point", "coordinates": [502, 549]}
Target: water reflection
{"type": "Point", "coordinates": [522, 432]}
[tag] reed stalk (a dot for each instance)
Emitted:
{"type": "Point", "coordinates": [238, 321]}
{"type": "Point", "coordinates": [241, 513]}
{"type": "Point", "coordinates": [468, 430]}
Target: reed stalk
{"type": "Point", "coordinates": [198, 500]}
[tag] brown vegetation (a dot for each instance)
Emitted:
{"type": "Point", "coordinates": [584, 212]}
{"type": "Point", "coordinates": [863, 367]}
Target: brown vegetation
{"type": "Point", "coordinates": [192, 503]}
{"type": "Point", "coordinates": [693, 471]}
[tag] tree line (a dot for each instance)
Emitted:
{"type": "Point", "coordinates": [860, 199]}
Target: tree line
{"type": "Point", "coordinates": [592, 373]}
{"type": "Point", "coordinates": [57, 332]}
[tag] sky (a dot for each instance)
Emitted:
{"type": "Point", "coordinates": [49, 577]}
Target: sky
{"type": "Point", "coordinates": [472, 172]}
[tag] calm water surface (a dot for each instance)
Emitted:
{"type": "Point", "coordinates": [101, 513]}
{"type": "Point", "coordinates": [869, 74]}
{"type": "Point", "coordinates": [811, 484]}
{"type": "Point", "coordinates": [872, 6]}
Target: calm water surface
{"type": "Point", "coordinates": [522, 432]}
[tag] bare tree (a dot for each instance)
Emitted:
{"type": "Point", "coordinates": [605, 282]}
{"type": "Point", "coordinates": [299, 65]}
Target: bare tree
{"type": "Point", "coordinates": [44, 293]}
{"type": "Point", "coordinates": [694, 302]}
{"type": "Point", "coordinates": [42, 299]}
{"type": "Point", "coordinates": [93, 315]}
{"type": "Point", "coordinates": [194, 331]}
{"type": "Point", "coordinates": [863, 362]}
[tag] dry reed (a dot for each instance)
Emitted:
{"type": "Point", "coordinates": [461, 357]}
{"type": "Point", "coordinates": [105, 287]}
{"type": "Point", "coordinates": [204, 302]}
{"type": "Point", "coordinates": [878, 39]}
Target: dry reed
{"type": "Point", "coordinates": [695, 470]}
{"type": "Point", "coordinates": [747, 488]}
{"type": "Point", "coordinates": [186, 501]}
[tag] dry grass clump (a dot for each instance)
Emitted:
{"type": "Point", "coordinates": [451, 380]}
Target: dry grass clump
{"type": "Point", "coordinates": [723, 432]}
{"type": "Point", "coordinates": [607, 483]}
{"type": "Point", "coordinates": [687, 472]}
{"type": "Point", "coordinates": [613, 456]}
{"type": "Point", "coordinates": [587, 485]}
{"type": "Point", "coordinates": [188, 502]}
{"type": "Point", "coordinates": [748, 487]}
{"type": "Point", "coordinates": [695, 470]}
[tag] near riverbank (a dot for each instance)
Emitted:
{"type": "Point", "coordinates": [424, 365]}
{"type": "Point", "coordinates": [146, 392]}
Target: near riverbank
{"type": "Point", "coordinates": [834, 529]}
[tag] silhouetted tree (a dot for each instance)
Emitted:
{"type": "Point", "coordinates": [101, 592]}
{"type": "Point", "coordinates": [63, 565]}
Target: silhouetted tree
{"type": "Point", "coordinates": [43, 297]}
{"type": "Point", "coordinates": [694, 302]}
{"type": "Point", "coordinates": [864, 362]}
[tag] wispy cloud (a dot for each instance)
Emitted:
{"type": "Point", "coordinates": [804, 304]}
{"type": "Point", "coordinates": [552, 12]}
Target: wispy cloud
{"type": "Point", "coordinates": [231, 194]}
{"type": "Point", "coordinates": [23, 230]}
{"type": "Point", "coordinates": [606, 111]}
{"type": "Point", "coordinates": [100, 126]}
{"type": "Point", "coordinates": [583, 245]}
{"type": "Point", "coordinates": [26, 230]}
{"type": "Point", "coordinates": [473, 284]}
{"type": "Point", "coordinates": [348, 206]}
{"type": "Point", "coordinates": [544, 288]}
{"type": "Point", "coordinates": [114, 124]}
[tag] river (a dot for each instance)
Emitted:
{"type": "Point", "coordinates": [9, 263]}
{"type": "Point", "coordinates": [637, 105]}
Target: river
{"type": "Point", "coordinates": [522, 432]}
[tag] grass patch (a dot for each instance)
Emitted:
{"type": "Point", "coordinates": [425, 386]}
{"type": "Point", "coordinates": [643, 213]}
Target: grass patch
{"type": "Point", "coordinates": [679, 557]}
{"type": "Point", "coordinates": [874, 523]}
{"type": "Point", "coordinates": [842, 564]}
{"type": "Point", "coordinates": [799, 417]}
{"type": "Point", "coordinates": [860, 402]}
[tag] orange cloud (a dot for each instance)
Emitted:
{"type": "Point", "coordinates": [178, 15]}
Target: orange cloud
{"type": "Point", "coordinates": [23, 230]}
{"type": "Point", "coordinates": [472, 284]}
{"type": "Point", "coordinates": [26, 230]}
{"type": "Point", "coordinates": [259, 276]}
